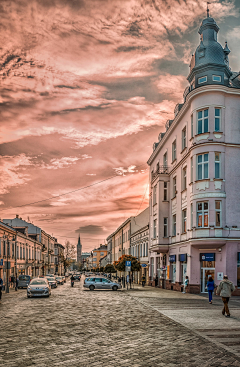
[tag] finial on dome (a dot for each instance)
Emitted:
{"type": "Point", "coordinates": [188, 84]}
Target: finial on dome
{"type": "Point", "coordinates": [208, 9]}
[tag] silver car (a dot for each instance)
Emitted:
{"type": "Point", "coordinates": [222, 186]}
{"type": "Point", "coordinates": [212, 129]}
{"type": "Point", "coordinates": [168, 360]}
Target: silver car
{"type": "Point", "coordinates": [52, 281]}
{"type": "Point", "coordinates": [100, 283]}
{"type": "Point", "coordinates": [39, 287]}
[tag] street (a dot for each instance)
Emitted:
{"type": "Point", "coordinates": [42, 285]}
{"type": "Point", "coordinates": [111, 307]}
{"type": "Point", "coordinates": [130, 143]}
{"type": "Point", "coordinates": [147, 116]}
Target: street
{"type": "Point", "coordinates": [139, 327]}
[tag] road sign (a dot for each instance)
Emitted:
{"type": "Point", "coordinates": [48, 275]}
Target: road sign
{"type": "Point", "coordinates": [128, 266]}
{"type": "Point", "coordinates": [128, 263]}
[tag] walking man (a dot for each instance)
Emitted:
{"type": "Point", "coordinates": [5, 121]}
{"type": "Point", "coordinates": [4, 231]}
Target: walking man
{"type": "Point", "coordinates": [186, 281]}
{"type": "Point", "coordinates": [225, 290]}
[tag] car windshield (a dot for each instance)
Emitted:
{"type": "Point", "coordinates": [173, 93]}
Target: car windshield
{"type": "Point", "coordinates": [50, 279]}
{"type": "Point", "coordinates": [58, 277]}
{"type": "Point", "coordinates": [24, 277]}
{"type": "Point", "coordinates": [38, 281]}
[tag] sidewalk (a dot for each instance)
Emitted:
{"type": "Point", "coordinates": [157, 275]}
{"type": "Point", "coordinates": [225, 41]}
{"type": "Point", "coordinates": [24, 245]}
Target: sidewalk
{"type": "Point", "coordinates": [194, 312]}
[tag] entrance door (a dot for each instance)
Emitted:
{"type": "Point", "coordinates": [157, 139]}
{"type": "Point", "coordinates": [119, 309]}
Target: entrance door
{"type": "Point", "coordinates": [205, 274]}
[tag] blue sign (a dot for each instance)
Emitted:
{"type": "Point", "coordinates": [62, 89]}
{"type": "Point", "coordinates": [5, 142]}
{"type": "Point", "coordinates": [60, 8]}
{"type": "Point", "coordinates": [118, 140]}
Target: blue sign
{"type": "Point", "coordinates": [128, 263]}
{"type": "Point", "coordinates": [172, 258]}
{"type": "Point", "coordinates": [144, 265]}
{"type": "Point", "coordinates": [238, 256]}
{"type": "Point", "coordinates": [1, 262]}
{"type": "Point", "coordinates": [207, 257]}
{"type": "Point", "coordinates": [182, 257]}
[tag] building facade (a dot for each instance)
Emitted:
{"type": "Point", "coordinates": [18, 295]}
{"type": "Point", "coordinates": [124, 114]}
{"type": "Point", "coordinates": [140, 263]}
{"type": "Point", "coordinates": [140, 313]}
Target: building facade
{"type": "Point", "coordinates": [97, 255]}
{"type": "Point", "coordinates": [140, 243]}
{"type": "Point", "coordinates": [194, 211]}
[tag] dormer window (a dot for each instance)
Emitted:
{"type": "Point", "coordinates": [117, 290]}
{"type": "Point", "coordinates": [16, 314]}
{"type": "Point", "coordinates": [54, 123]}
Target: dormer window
{"type": "Point", "coordinates": [203, 79]}
{"type": "Point", "coordinates": [216, 78]}
{"type": "Point", "coordinates": [201, 53]}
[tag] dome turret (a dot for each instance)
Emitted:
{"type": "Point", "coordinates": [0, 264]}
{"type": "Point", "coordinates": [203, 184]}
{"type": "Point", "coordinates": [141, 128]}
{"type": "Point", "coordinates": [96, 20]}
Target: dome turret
{"type": "Point", "coordinates": [209, 64]}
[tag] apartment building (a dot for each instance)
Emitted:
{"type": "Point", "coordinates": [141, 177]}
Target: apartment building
{"type": "Point", "coordinates": [194, 176]}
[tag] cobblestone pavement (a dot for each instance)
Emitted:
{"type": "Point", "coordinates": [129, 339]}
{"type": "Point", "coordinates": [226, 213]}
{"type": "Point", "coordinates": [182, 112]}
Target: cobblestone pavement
{"type": "Point", "coordinates": [76, 327]}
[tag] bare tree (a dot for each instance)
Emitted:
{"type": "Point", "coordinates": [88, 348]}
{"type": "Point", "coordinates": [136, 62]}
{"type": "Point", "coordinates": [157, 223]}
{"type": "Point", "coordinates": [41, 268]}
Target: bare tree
{"type": "Point", "coordinates": [70, 252]}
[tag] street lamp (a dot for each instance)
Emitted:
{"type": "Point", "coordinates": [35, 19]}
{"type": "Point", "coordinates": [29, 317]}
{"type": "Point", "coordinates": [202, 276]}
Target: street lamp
{"type": "Point", "coordinates": [16, 287]}
{"type": "Point", "coordinates": [7, 286]}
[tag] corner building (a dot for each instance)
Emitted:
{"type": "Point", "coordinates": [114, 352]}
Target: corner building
{"type": "Point", "coordinates": [195, 176]}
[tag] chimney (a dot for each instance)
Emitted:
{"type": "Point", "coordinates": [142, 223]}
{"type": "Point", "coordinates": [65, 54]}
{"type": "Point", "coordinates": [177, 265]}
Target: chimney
{"type": "Point", "coordinates": [17, 216]}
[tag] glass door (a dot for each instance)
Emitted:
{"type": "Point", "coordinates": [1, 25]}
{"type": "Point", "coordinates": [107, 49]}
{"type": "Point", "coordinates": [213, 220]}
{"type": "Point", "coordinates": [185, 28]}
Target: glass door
{"type": "Point", "coordinates": [206, 273]}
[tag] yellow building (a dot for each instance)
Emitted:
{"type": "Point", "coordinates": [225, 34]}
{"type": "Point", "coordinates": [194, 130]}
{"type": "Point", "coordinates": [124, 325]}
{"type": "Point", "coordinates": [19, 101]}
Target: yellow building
{"type": "Point", "coordinates": [98, 254]}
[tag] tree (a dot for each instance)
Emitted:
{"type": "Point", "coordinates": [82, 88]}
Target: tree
{"type": "Point", "coordinates": [120, 263]}
{"type": "Point", "coordinates": [69, 253]}
{"type": "Point", "coordinates": [109, 268]}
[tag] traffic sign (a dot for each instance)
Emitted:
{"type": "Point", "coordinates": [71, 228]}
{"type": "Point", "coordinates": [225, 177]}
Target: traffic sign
{"type": "Point", "coordinates": [128, 263]}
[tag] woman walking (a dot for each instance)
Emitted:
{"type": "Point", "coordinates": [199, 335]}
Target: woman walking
{"type": "Point", "coordinates": [210, 288]}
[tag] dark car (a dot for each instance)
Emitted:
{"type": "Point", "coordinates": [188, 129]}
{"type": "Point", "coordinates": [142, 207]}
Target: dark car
{"type": "Point", "coordinates": [77, 277]}
{"type": "Point", "coordinates": [23, 281]}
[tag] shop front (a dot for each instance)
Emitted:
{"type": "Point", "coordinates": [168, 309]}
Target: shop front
{"type": "Point", "coordinates": [207, 261]}
{"type": "Point", "coordinates": [183, 267]}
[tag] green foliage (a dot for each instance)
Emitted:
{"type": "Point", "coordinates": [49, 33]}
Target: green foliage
{"type": "Point", "coordinates": [120, 264]}
{"type": "Point", "coordinates": [109, 268]}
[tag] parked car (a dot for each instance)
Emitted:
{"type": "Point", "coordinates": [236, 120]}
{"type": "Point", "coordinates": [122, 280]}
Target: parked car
{"type": "Point", "coordinates": [50, 275]}
{"type": "Point", "coordinates": [77, 277]}
{"type": "Point", "coordinates": [39, 287]}
{"type": "Point", "coordinates": [100, 283]}
{"type": "Point", "coordinates": [63, 278]}
{"type": "Point", "coordinates": [52, 281]}
{"type": "Point", "coordinates": [59, 280]}
{"type": "Point", "coordinates": [23, 281]}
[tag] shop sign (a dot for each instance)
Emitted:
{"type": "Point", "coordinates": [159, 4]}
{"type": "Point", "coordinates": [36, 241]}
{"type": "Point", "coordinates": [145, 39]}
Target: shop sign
{"type": "Point", "coordinates": [168, 271]}
{"type": "Point", "coordinates": [1, 262]}
{"type": "Point", "coordinates": [182, 257]}
{"type": "Point", "coordinates": [207, 257]}
{"type": "Point", "coordinates": [238, 256]}
{"type": "Point", "coordinates": [219, 276]}
{"type": "Point", "coordinates": [172, 258]}
{"type": "Point", "coordinates": [144, 265]}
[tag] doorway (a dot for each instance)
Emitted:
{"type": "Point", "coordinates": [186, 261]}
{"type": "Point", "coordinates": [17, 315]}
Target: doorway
{"type": "Point", "coordinates": [205, 274]}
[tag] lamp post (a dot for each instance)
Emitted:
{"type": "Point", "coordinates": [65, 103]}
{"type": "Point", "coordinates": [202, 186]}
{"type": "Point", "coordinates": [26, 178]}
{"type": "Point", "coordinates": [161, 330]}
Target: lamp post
{"type": "Point", "coordinates": [16, 287]}
{"type": "Point", "coordinates": [7, 286]}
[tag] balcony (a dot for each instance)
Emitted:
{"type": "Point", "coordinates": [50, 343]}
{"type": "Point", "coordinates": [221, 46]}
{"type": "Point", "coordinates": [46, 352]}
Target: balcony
{"type": "Point", "coordinates": [160, 171]}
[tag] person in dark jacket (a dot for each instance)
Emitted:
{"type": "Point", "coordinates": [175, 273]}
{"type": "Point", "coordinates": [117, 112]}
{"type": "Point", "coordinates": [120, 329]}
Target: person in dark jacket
{"type": "Point", "coordinates": [72, 280]}
{"type": "Point", "coordinates": [225, 290]}
{"type": "Point", "coordinates": [1, 285]}
{"type": "Point", "coordinates": [156, 281]}
{"type": "Point", "coordinates": [210, 288]}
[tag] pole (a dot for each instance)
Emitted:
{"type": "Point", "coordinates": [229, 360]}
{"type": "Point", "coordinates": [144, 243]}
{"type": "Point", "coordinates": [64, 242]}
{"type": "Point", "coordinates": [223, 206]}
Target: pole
{"type": "Point", "coordinates": [7, 287]}
{"type": "Point", "coordinates": [16, 288]}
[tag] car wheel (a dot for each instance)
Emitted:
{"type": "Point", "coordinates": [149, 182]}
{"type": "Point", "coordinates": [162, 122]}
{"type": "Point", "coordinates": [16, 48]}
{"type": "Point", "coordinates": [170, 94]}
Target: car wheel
{"type": "Point", "coordinates": [115, 288]}
{"type": "Point", "coordinates": [48, 295]}
{"type": "Point", "coordinates": [28, 296]}
{"type": "Point", "coordinates": [91, 287]}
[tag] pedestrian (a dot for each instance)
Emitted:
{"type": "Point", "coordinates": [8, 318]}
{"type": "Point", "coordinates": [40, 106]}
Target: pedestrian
{"type": "Point", "coordinates": [186, 281]}
{"type": "Point", "coordinates": [143, 280]}
{"type": "Point", "coordinates": [72, 280]}
{"type": "Point", "coordinates": [1, 286]}
{"type": "Point", "coordinates": [119, 280]}
{"type": "Point", "coordinates": [225, 290]}
{"type": "Point", "coordinates": [156, 281]}
{"type": "Point", "coordinates": [210, 288]}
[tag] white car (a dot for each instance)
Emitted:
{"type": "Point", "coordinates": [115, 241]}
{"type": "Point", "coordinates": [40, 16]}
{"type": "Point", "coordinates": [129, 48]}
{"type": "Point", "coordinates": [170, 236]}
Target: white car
{"type": "Point", "coordinates": [100, 283]}
{"type": "Point", "coordinates": [39, 287]}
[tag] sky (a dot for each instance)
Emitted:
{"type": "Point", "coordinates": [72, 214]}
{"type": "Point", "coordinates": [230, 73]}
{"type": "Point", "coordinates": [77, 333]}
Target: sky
{"type": "Point", "coordinates": [86, 87]}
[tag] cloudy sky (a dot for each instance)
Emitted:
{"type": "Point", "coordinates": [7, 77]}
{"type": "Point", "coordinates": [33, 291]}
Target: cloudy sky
{"type": "Point", "coordinates": [86, 87]}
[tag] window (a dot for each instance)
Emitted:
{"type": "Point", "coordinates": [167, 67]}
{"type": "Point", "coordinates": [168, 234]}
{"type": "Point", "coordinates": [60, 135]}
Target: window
{"type": "Point", "coordinates": [202, 166]}
{"type": "Point", "coordinates": [174, 186]}
{"type": "Point", "coordinates": [218, 221]}
{"type": "Point", "coordinates": [165, 227]}
{"type": "Point", "coordinates": [141, 250]}
{"type": "Point", "coordinates": [4, 248]}
{"type": "Point", "coordinates": [155, 195]}
{"type": "Point", "coordinates": [191, 215]}
{"type": "Point", "coordinates": [217, 165]}
{"type": "Point", "coordinates": [184, 138]}
{"type": "Point", "coordinates": [216, 78]}
{"type": "Point", "coordinates": [217, 119]}
{"type": "Point", "coordinates": [202, 121]}
{"type": "Point", "coordinates": [174, 146]}
{"type": "Point", "coordinates": [174, 225]}
{"type": "Point", "coordinates": [191, 126]}
{"type": "Point", "coordinates": [102, 254]}
{"type": "Point", "coordinates": [191, 169]}
{"type": "Point", "coordinates": [94, 259]}
{"type": "Point", "coordinates": [202, 214]}
{"type": "Point", "coordinates": [20, 252]}
{"type": "Point", "coordinates": [13, 249]}
{"type": "Point", "coordinates": [202, 79]}
{"type": "Point", "coordinates": [155, 228]}
{"type": "Point", "coordinates": [184, 221]}
{"type": "Point", "coordinates": [146, 249]}
{"type": "Point", "coordinates": [165, 159]}
{"type": "Point", "coordinates": [165, 191]}
{"type": "Point", "coordinates": [17, 252]}
{"type": "Point", "coordinates": [23, 252]}
{"type": "Point", "coordinates": [184, 176]}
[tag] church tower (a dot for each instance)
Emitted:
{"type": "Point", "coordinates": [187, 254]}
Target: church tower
{"type": "Point", "coordinates": [79, 250]}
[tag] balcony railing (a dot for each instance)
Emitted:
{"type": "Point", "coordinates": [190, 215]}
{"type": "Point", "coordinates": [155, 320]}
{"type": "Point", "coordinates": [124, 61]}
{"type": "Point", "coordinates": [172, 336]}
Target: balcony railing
{"type": "Point", "coordinates": [160, 170]}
